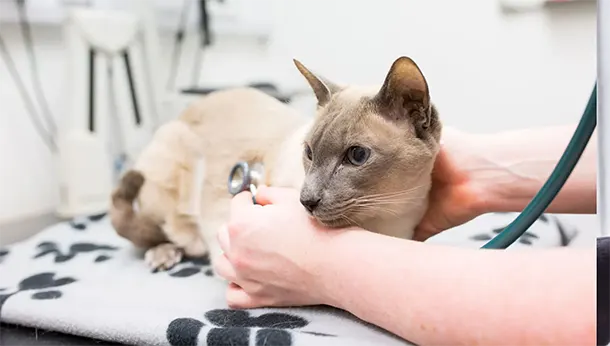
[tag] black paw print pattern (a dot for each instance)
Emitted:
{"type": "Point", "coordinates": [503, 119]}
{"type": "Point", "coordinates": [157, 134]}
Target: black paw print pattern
{"type": "Point", "coordinates": [565, 236]}
{"type": "Point", "coordinates": [40, 283]}
{"type": "Point", "coordinates": [81, 224]}
{"type": "Point", "coordinates": [528, 238]}
{"type": "Point", "coordinates": [191, 266]}
{"type": "Point", "coordinates": [51, 248]}
{"type": "Point", "coordinates": [234, 327]}
{"type": "Point", "coordinates": [3, 254]}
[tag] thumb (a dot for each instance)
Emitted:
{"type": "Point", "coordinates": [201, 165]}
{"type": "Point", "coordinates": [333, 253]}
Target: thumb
{"type": "Point", "coordinates": [276, 195]}
{"type": "Point", "coordinates": [237, 298]}
{"type": "Point", "coordinates": [240, 204]}
{"type": "Point", "coordinates": [422, 234]}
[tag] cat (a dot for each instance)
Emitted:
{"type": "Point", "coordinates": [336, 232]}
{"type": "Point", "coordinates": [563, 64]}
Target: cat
{"type": "Point", "coordinates": [365, 159]}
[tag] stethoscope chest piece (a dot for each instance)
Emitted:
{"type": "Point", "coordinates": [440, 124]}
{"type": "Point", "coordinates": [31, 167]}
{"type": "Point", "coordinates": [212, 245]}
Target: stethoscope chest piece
{"type": "Point", "coordinates": [245, 177]}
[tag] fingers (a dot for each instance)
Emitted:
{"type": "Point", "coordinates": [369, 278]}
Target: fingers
{"type": "Point", "coordinates": [223, 267]}
{"type": "Point", "coordinates": [273, 195]}
{"type": "Point", "coordinates": [237, 298]}
{"type": "Point", "coordinates": [240, 203]}
{"type": "Point", "coordinates": [242, 199]}
{"type": "Point", "coordinates": [425, 229]}
{"type": "Point", "coordinates": [224, 239]}
{"type": "Point", "coordinates": [421, 235]}
{"type": "Point", "coordinates": [441, 165]}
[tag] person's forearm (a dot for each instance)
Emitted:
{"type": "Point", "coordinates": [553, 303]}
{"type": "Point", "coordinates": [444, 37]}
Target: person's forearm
{"type": "Point", "coordinates": [440, 295]}
{"type": "Point", "coordinates": [514, 165]}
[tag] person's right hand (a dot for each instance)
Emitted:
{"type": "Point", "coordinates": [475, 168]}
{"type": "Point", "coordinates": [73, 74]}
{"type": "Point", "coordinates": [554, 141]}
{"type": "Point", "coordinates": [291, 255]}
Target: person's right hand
{"type": "Point", "coordinates": [455, 197]}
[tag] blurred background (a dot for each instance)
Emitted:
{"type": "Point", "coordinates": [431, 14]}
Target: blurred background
{"type": "Point", "coordinates": [491, 66]}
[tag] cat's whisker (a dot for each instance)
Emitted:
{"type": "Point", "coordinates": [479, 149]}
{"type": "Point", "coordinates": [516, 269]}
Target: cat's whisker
{"type": "Point", "coordinates": [375, 210]}
{"type": "Point", "coordinates": [396, 193]}
{"type": "Point", "coordinates": [342, 210]}
{"type": "Point", "coordinates": [371, 209]}
{"type": "Point", "coordinates": [343, 205]}
{"type": "Point", "coordinates": [348, 219]}
{"type": "Point", "coordinates": [336, 220]}
{"type": "Point", "coordinates": [391, 198]}
{"type": "Point", "coordinates": [389, 201]}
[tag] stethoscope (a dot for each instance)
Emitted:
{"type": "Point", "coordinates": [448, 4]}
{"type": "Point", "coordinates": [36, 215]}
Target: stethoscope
{"type": "Point", "coordinates": [246, 177]}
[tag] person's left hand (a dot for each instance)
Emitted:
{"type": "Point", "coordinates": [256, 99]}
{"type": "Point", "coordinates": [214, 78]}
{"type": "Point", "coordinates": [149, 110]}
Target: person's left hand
{"type": "Point", "coordinates": [272, 251]}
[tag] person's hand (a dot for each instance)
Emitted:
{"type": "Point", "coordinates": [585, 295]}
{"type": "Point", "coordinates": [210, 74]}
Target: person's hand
{"type": "Point", "coordinates": [271, 251]}
{"type": "Point", "coordinates": [455, 196]}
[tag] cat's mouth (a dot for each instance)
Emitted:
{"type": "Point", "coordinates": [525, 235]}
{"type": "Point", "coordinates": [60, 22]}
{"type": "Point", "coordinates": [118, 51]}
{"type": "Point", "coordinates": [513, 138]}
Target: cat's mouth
{"type": "Point", "coordinates": [335, 215]}
{"type": "Point", "coordinates": [333, 221]}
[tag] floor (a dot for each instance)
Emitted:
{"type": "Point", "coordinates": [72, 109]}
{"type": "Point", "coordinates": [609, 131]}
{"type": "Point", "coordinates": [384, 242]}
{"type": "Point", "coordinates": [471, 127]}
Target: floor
{"type": "Point", "coordinates": [21, 336]}
{"type": "Point", "coordinates": [22, 229]}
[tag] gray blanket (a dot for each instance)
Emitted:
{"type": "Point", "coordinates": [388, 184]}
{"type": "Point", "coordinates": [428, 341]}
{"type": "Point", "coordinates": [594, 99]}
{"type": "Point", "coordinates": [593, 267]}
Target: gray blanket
{"type": "Point", "coordinates": [80, 278]}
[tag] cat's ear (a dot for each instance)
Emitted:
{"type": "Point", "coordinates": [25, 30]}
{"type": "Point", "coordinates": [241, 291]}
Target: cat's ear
{"type": "Point", "coordinates": [322, 88]}
{"type": "Point", "coordinates": [404, 94]}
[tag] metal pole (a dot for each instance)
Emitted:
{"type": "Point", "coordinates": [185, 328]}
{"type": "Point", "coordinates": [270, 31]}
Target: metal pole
{"type": "Point", "coordinates": [603, 142]}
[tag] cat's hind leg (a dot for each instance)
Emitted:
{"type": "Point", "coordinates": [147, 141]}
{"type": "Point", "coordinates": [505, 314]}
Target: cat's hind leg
{"type": "Point", "coordinates": [163, 257]}
{"type": "Point", "coordinates": [184, 231]}
{"type": "Point", "coordinates": [182, 225]}
{"type": "Point", "coordinates": [184, 239]}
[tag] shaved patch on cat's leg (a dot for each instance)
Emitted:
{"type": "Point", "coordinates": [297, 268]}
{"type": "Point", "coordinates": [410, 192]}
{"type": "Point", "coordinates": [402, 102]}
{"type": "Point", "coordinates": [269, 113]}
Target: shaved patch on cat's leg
{"type": "Point", "coordinates": [183, 227]}
{"type": "Point", "coordinates": [190, 187]}
{"type": "Point", "coordinates": [163, 257]}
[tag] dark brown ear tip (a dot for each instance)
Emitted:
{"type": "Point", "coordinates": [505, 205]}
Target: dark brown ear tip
{"type": "Point", "coordinates": [405, 60]}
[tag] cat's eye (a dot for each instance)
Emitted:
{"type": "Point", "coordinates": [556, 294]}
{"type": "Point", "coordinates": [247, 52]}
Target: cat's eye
{"type": "Point", "coordinates": [308, 152]}
{"type": "Point", "coordinates": [357, 155]}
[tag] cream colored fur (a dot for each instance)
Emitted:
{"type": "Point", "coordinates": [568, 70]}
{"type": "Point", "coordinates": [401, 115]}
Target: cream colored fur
{"type": "Point", "coordinates": [213, 134]}
{"type": "Point", "coordinates": [185, 167]}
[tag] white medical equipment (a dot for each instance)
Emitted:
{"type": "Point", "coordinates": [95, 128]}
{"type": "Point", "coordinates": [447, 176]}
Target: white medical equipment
{"type": "Point", "coordinates": [112, 79]}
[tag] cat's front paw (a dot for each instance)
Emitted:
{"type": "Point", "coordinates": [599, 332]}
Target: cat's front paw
{"type": "Point", "coordinates": [196, 248]}
{"type": "Point", "coordinates": [163, 257]}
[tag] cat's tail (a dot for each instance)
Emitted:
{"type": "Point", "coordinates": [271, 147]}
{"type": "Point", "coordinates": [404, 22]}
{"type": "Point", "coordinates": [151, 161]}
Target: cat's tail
{"type": "Point", "coordinates": [128, 189]}
{"type": "Point", "coordinates": [139, 229]}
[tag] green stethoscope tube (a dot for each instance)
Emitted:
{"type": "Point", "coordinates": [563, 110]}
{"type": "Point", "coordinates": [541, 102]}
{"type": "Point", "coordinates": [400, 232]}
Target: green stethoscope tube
{"type": "Point", "coordinates": [557, 179]}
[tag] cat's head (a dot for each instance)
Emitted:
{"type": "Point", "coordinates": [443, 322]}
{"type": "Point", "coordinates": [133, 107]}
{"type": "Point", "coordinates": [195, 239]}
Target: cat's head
{"type": "Point", "coordinates": [370, 152]}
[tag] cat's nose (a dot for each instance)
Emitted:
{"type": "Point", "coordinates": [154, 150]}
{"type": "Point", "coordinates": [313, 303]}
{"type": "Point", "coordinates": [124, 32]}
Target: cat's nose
{"type": "Point", "coordinates": [310, 203]}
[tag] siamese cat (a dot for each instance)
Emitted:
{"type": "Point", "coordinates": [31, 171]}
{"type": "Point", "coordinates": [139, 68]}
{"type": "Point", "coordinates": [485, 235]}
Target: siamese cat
{"type": "Point", "coordinates": [365, 159]}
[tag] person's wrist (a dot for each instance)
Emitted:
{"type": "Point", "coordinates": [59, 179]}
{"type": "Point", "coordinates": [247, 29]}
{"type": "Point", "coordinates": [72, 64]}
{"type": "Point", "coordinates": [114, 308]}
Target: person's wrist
{"type": "Point", "coordinates": [334, 247]}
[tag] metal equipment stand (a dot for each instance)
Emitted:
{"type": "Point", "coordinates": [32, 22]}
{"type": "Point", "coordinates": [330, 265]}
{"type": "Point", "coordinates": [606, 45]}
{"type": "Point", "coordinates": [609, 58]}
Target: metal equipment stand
{"type": "Point", "coordinates": [206, 40]}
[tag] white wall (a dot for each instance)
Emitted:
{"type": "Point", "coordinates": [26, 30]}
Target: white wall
{"type": "Point", "coordinates": [488, 71]}
{"type": "Point", "coordinates": [27, 176]}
